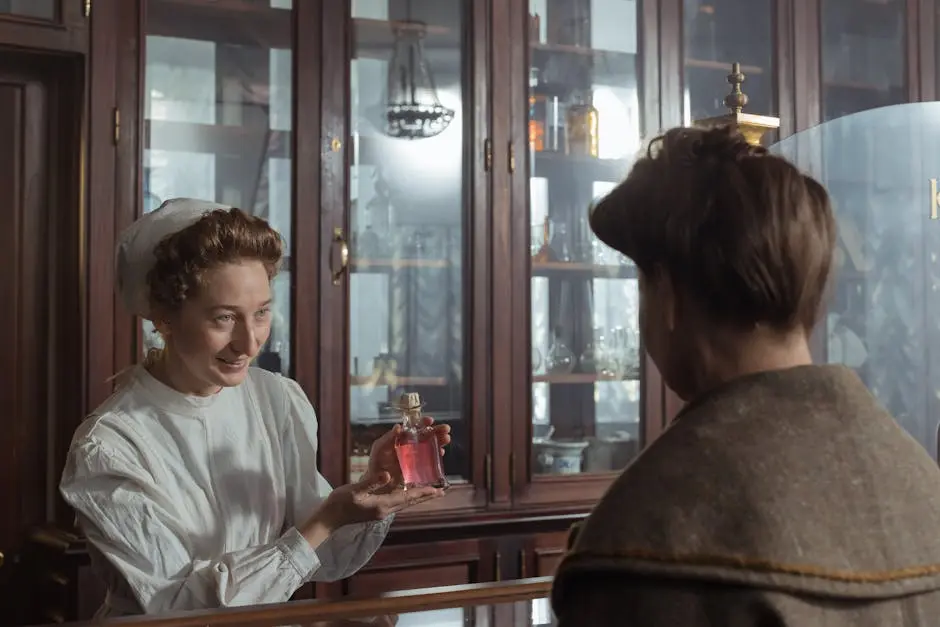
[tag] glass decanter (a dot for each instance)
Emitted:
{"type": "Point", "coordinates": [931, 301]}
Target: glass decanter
{"type": "Point", "coordinates": [419, 453]}
{"type": "Point", "coordinates": [560, 359]}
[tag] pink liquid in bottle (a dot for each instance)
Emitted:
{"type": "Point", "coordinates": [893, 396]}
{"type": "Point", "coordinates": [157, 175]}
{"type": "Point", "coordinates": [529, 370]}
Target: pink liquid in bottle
{"type": "Point", "coordinates": [419, 453]}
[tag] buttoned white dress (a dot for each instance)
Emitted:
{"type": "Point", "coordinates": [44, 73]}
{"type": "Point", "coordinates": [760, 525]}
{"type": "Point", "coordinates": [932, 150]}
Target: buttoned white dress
{"type": "Point", "coordinates": [191, 502]}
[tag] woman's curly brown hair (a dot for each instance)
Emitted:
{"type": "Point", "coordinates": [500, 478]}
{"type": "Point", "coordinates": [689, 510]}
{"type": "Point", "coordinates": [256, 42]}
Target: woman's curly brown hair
{"type": "Point", "coordinates": [219, 237]}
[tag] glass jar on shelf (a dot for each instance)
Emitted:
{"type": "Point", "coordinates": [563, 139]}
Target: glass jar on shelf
{"type": "Point", "coordinates": [582, 127]}
{"type": "Point", "coordinates": [560, 247]}
{"type": "Point", "coordinates": [560, 359]}
{"type": "Point", "coordinates": [537, 113]}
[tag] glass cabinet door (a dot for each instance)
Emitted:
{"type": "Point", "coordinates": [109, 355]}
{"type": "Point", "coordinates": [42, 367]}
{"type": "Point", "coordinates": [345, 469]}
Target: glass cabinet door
{"type": "Point", "coordinates": [408, 204]}
{"type": "Point", "coordinates": [217, 122]}
{"type": "Point", "coordinates": [881, 169]}
{"type": "Point", "coordinates": [862, 52]}
{"type": "Point", "coordinates": [718, 33]}
{"type": "Point", "coordinates": [584, 131]}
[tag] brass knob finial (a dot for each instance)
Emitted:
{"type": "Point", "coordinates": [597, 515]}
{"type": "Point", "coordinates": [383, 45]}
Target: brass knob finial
{"type": "Point", "coordinates": [737, 99]}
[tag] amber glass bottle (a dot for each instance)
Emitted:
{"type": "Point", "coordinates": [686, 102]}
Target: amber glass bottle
{"type": "Point", "coordinates": [582, 126]}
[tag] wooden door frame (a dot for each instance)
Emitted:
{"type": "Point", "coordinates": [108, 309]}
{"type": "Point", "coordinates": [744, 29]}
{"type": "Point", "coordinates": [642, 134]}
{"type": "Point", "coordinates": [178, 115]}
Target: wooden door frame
{"type": "Point", "coordinates": [64, 315]}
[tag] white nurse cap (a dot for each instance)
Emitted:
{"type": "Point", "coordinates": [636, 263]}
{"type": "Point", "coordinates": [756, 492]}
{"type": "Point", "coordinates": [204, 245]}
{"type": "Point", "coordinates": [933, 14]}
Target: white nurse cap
{"type": "Point", "coordinates": [135, 246]}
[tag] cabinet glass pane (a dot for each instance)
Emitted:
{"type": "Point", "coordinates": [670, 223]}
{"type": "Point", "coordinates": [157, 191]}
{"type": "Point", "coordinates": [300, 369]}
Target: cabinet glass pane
{"type": "Point", "coordinates": [881, 168]}
{"type": "Point", "coordinates": [862, 50]}
{"type": "Point", "coordinates": [718, 33]}
{"type": "Point", "coordinates": [584, 131]}
{"type": "Point", "coordinates": [407, 208]}
{"type": "Point", "coordinates": [217, 109]}
{"type": "Point", "coordinates": [39, 9]}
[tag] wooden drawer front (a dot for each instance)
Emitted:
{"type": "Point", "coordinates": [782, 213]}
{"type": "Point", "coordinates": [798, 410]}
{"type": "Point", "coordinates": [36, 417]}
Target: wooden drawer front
{"type": "Point", "coordinates": [424, 566]}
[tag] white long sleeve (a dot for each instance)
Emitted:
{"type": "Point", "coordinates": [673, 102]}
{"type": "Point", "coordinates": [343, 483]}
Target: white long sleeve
{"type": "Point", "coordinates": [349, 548]}
{"type": "Point", "coordinates": [192, 501]}
{"type": "Point", "coordinates": [132, 523]}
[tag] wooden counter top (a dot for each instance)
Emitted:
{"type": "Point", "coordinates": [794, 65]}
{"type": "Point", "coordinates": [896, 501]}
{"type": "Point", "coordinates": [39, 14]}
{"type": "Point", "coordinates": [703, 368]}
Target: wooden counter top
{"type": "Point", "coordinates": [505, 602]}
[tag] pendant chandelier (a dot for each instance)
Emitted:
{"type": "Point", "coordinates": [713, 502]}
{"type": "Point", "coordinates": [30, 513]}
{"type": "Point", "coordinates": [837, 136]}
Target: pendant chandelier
{"type": "Point", "coordinates": [412, 109]}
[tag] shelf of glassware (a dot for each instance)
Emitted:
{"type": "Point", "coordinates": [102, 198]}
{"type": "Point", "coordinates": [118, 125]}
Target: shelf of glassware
{"type": "Point", "coordinates": [585, 359]}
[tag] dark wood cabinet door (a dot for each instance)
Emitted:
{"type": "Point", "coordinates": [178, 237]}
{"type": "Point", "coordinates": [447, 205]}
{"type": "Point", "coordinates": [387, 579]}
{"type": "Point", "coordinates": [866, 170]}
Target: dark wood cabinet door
{"type": "Point", "coordinates": [218, 123]}
{"type": "Point", "coordinates": [412, 566]}
{"type": "Point", "coordinates": [579, 408]}
{"type": "Point", "coordinates": [40, 212]}
{"type": "Point", "coordinates": [405, 289]}
{"type": "Point", "coordinates": [717, 33]}
{"type": "Point", "coordinates": [543, 553]}
{"type": "Point", "coordinates": [59, 25]}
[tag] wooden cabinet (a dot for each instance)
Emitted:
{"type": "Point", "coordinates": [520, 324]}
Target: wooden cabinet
{"type": "Point", "coordinates": [452, 562]}
{"type": "Point", "coordinates": [430, 164]}
{"type": "Point", "coordinates": [576, 333]}
{"type": "Point", "coordinates": [542, 554]}
{"type": "Point", "coordinates": [716, 33]}
{"type": "Point", "coordinates": [59, 25]}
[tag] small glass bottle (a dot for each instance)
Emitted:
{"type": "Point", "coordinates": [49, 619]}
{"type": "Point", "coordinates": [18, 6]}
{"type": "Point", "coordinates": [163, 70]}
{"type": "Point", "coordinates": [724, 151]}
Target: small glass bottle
{"type": "Point", "coordinates": [419, 452]}
{"type": "Point", "coordinates": [582, 136]}
{"type": "Point", "coordinates": [560, 359]}
{"type": "Point", "coordinates": [536, 113]}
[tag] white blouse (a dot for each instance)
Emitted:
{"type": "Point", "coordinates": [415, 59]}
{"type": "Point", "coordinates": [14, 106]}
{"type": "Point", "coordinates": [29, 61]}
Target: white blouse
{"type": "Point", "coordinates": [193, 501]}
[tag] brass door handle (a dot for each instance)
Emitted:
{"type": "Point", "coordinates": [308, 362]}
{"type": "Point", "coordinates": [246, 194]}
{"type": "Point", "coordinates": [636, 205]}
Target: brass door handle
{"type": "Point", "coordinates": [338, 238]}
{"type": "Point", "coordinates": [1, 558]}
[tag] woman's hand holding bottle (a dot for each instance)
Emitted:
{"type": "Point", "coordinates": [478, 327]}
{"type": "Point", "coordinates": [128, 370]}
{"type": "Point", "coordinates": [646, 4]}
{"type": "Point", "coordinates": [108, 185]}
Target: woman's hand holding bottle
{"type": "Point", "coordinates": [372, 498]}
{"type": "Point", "coordinates": [384, 458]}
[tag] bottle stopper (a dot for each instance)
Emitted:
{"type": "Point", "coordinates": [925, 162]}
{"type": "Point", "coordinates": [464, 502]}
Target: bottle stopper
{"type": "Point", "coordinates": [409, 401]}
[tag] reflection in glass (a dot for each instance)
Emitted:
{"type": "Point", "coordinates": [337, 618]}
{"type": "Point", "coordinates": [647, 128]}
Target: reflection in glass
{"type": "Point", "coordinates": [39, 9]}
{"type": "Point", "coordinates": [406, 210]}
{"type": "Point", "coordinates": [882, 321]}
{"type": "Point", "coordinates": [540, 614]}
{"type": "Point", "coordinates": [217, 109]}
{"type": "Point", "coordinates": [584, 130]}
{"type": "Point", "coordinates": [718, 33]}
{"type": "Point", "coordinates": [534, 613]}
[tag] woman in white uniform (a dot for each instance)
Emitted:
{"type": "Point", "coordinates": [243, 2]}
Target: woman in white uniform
{"type": "Point", "coordinates": [196, 482]}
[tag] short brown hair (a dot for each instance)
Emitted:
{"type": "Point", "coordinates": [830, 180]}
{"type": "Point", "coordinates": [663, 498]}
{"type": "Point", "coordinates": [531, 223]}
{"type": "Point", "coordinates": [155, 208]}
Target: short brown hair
{"type": "Point", "coordinates": [743, 232]}
{"type": "Point", "coordinates": [219, 237]}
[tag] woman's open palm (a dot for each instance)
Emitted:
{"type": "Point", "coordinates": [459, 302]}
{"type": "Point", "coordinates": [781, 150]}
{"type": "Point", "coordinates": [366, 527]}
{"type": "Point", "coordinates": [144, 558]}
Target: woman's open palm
{"type": "Point", "coordinates": [374, 497]}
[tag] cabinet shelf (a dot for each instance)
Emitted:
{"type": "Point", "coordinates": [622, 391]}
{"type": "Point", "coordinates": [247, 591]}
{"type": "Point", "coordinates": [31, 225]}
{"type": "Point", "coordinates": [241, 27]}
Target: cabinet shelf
{"type": "Point", "coordinates": [216, 139]}
{"type": "Point", "coordinates": [242, 22]}
{"type": "Point", "coordinates": [558, 166]}
{"type": "Point", "coordinates": [605, 67]}
{"type": "Point", "coordinates": [235, 22]}
{"type": "Point", "coordinates": [851, 85]}
{"type": "Point", "coordinates": [375, 39]}
{"type": "Point", "coordinates": [361, 380]}
{"type": "Point", "coordinates": [583, 51]}
{"type": "Point", "coordinates": [567, 269]}
{"type": "Point", "coordinates": [386, 265]}
{"type": "Point", "coordinates": [383, 27]}
{"type": "Point", "coordinates": [393, 418]}
{"type": "Point", "coordinates": [579, 378]}
{"type": "Point", "coordinates": [721, 65]}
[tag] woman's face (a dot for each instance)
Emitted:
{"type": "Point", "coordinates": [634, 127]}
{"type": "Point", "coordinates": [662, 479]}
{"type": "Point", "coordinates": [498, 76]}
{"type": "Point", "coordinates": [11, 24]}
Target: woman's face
{"type": "Point", "coordinates": [214, 337]}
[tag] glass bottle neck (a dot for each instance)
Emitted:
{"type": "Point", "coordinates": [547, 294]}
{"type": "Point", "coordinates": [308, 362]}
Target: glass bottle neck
{"type": "Point", "coordinates": [411, 418]}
